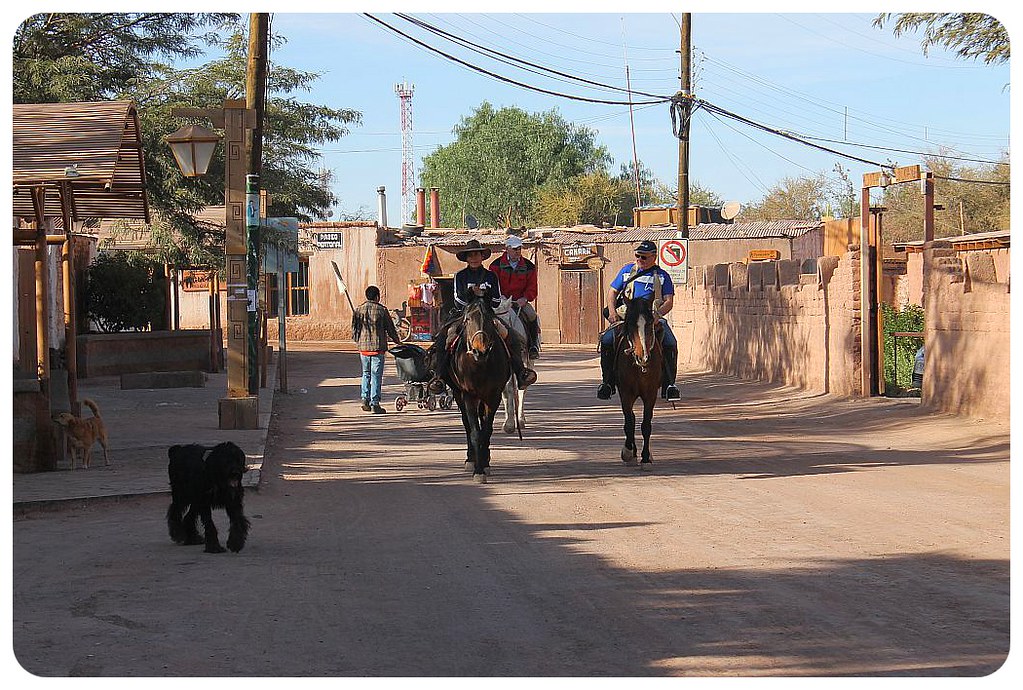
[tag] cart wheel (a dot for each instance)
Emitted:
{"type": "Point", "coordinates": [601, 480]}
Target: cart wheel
{"type": "Point", "coordinates": [443, 402]}
{"type": "Point", "coordinates": [400, 402]}
{"type": "Point", "coordinates": [451, 401]}
{"type": "Point", "coordinates": [431, 403]}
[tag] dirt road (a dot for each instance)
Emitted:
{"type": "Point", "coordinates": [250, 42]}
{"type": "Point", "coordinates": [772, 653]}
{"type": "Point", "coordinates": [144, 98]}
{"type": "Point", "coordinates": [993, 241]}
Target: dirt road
{"type": "Point", "coordinates": [780, 533]}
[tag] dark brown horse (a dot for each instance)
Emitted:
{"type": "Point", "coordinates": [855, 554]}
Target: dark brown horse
{"type": "Point", "coordinates": [477, 376]}
{"type": "Point", "coordinates": [638, 365]}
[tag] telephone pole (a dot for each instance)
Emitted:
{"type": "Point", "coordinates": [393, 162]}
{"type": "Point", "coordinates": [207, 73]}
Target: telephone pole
{"type": "Point", "coordinates": [686, 93]}
{"type": "Point", "coordinates": [255, 99]}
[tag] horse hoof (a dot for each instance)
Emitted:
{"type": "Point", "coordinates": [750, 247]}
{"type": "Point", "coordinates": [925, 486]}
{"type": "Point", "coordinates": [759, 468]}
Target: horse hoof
{"type": "Point", "coordinates": [646, 465]}
{"type": "Point", "coordinates": [509, 428]}
{"type": "Point", "coordinates": [479, 478]}
{"type": "Point", "coordinates": [469, 467]}
{"type": "Point", "coordinates": [628, 456]}
{"type": "Point", "coordinates": [486, 470]}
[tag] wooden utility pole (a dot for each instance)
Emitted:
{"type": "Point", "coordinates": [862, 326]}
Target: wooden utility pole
{"type": "Point", "coordinates": [685, 28]}
{"type": "Point", "coordinates": [255, 99]}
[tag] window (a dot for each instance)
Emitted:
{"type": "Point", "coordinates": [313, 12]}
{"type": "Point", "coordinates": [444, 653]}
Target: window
{"type": "Point", "coordinates": [298, 292]}
{"type": "Point", "coordinates": [271, 295]}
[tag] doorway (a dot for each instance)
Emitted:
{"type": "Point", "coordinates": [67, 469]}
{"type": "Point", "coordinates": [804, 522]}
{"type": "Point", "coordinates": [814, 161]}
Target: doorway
{"type": "Point", "coordinates": [580, 306]}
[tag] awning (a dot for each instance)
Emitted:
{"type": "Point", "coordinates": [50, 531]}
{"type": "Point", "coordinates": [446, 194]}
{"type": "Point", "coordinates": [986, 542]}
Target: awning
{"type": "Point", "coordinates": [93, 151]}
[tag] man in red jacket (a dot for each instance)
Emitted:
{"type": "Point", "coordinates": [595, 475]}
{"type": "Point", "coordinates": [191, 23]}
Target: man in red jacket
{"type": "Point", "coordinates": [517, 276]}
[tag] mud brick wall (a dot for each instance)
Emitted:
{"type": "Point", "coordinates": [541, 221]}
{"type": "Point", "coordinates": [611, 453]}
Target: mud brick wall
{"type": "Point", "coordinates": [767, 321]}
{"type": "Point", "coordinates": [967, 304]}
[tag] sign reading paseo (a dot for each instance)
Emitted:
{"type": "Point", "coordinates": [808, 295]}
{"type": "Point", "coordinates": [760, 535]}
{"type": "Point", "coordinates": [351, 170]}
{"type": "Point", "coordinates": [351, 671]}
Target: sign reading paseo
{"type": "Point", "coordinates": [328, 240]}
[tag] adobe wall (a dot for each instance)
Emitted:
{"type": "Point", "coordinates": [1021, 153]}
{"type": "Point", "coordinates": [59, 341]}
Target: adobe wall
{"type": "Point", "coordinates": [767, 321]}
{"type": "Point", "coordinates": [967, 334]}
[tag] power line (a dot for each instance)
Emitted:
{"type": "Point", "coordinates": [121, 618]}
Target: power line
{"type": "Point", "coordinates": [483, 50]}
{"type": "Point", "coordinates": [499, 77]}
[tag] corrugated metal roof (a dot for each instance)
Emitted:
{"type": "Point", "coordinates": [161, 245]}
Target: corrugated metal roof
{"type": "Point", "coordinates": [101, 139]}
{"type": "Point", "coordinates": [590, 233]}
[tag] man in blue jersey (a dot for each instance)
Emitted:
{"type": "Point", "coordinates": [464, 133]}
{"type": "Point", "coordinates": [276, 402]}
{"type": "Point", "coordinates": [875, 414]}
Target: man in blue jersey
{"type": "Point", "coordinates": [641, 278]}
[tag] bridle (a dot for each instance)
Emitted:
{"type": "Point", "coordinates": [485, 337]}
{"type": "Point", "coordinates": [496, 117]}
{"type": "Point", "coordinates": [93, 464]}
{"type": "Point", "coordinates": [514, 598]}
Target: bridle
{"type": "Point", "coordinates": [477, 342]}
{"type": "Point", "coordinates": [641, 343]}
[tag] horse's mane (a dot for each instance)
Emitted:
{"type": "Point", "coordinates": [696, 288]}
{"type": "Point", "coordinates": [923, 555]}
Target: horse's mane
{"type": "Point", "coordinates": [634, 309]}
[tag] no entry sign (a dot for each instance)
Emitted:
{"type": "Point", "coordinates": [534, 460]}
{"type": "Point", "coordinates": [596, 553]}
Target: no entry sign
{"type": "Point", "coordinates": [673, 256]}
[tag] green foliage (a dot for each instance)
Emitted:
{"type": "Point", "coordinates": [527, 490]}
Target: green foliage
{"type": "Point", "coordinates": [91, 56]}
{"type": "Point", "coordinates": [909, 319]}
{"type": "Point", "coordinates": [586, 199]}
{"type": "Point", "coordinates": [805, 198]}
{"type": "Point", "coordinates": [100, 56]}
{"type": "Point", "coordinates": [124, 291]}
{"type": "Point", "coordinates": [968, 207]}
{"type": "Point", "coordinates": [971, 35]}
{"type": "Point", "coordinates": [501, 160]}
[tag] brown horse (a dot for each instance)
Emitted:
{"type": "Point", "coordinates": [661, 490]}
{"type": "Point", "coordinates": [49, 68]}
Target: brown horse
{"type": "Point", "coordinates": [479, 370]}
{"type": "Point", "coordinates": [638, 364]}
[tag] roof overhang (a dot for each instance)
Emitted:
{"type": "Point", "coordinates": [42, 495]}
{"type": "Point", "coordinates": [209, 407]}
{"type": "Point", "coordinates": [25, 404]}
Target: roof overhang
{"type": "Point", "coordinates": [78, 161]}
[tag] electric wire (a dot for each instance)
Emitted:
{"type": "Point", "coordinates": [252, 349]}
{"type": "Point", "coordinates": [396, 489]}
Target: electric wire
{"type": "Point", "coordinates": [490, 51]}
{"type": "Point", "coordinates": [493, 75]}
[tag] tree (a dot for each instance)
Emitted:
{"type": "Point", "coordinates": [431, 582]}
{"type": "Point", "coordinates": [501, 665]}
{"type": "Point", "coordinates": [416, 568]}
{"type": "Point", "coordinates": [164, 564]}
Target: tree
{"type": "Point", "coordinates": [801, 198]}
{"type": "Point", "coordinates": [592, 199]}
{"type": "Point", "coordinates": [500, 161]}
{"type": "Point", "coordinates": [50, 48]}
{"type": "Point", "coordinates": [66, 57]}
{"type": "Point", "coordinates": [971, 35]}
{"type": "Point", "coordinates": [967, 206]}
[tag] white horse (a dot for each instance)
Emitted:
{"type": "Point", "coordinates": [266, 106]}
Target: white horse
{"type": "Point", "coordinates": [514, 399]}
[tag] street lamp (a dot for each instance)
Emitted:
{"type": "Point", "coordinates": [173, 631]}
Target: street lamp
{"type": "Point", "coordinates": [193, 148]}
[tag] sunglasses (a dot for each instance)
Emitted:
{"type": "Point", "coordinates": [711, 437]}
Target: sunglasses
{"type": "Point", "coordinates": [644, 256]}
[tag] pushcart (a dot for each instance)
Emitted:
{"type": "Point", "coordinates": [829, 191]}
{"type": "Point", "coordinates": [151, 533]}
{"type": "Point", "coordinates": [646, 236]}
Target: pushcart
{"type": "Point", "coordinates": [410, 361]}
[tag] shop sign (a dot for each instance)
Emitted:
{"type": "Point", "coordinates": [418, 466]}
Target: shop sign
{"type": "Point", "coordinates": [327, 240]}
{"type": "Point", "coordinates": [577, 253]}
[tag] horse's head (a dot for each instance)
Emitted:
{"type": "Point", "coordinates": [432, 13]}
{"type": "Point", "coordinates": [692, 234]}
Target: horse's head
{"type": "Point", "coordinates": [639, 331]}
{"type": "Point", "coordinates": [478, 324]}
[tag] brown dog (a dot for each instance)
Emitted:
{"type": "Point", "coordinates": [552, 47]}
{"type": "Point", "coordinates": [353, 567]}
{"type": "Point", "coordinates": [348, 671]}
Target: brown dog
{"type": "Point", "coordinates": [83, 432]}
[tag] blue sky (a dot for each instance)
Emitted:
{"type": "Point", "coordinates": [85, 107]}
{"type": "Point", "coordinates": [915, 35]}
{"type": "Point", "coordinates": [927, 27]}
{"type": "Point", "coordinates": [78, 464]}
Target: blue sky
{"type": "Point", "coordinates": [832, 76]}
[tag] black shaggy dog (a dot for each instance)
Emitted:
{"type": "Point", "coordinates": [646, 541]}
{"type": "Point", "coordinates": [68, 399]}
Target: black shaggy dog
{"type": "Point", "coordinates": [202, 479]}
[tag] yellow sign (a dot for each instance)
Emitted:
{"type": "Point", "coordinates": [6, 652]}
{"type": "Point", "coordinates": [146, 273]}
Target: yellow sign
{"type": "Point", "coordinates": [764, 255]}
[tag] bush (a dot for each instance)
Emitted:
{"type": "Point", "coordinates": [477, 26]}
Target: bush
{"type": "Point", "coordinates": [125, 291]}
{"type": "Point", "coordinates": [910, 319]}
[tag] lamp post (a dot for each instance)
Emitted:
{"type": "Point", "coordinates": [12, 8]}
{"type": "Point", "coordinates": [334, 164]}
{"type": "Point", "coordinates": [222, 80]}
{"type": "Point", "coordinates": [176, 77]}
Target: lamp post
{"type": "Point", "coordinates": [193, 148]}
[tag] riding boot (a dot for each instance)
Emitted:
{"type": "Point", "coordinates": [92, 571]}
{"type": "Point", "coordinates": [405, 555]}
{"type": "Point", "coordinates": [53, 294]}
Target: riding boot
{"type": "Point", "coordinates": [607, 373]}
{"type": "Point", "coordinates": [533, 329]}
{"type": "Point", "coordinates": [525, 377]}
{"type": "Point", "coordinates": [670, 390]}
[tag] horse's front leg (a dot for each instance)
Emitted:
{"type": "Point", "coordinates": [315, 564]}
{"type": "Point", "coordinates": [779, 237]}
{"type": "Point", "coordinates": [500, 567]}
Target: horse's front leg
{"type": "Point", "coordinates": [487, 414]}
{"type": "Point", "coordinates": [470, 451]}
{"type": "Point", "coordinates": [629, 449]}
{"type": "Point", "coordinates": [510, 405]}
{"type": "Point", "coordinates": [646, 427]}
{"type": "Point", "coordinates": [520, 397]}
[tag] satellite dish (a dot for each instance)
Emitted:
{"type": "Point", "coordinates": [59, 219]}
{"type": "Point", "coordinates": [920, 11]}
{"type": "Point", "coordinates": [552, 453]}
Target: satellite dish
{"type": "Point", "coordinates": [471, 222]}
{"type": "Point", "coordinates": [730, 209]}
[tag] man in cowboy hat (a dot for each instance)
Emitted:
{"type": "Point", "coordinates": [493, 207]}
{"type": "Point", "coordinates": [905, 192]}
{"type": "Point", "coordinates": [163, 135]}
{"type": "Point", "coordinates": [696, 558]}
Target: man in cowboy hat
{"type": "Point", "coordinates": [517, 275]}
{"type": "Point", "coordinates": [641, 278]}
{"type": "Point", "coordinates": [474, 282]}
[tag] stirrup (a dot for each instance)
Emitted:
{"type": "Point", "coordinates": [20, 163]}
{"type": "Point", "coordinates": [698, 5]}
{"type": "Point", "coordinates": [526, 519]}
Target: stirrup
{"type": "Point", "coordinates": [671, 393]}
{"type": "Point", "coordinates": [605, 391]}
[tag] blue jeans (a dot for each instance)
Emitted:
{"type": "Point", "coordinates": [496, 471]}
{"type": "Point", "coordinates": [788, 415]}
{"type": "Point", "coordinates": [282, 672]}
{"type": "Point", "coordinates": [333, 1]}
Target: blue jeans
{"type": "Point", "coordinates": [372, 377]}
{"type": "Point", "coordinates": [668, 340]}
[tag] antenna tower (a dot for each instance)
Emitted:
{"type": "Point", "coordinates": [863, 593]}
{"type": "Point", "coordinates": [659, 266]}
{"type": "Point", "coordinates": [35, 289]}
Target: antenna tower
{"type": "Point", "coordinates": [408, 172]}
